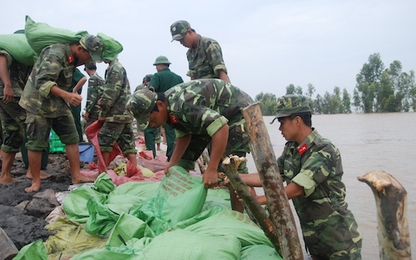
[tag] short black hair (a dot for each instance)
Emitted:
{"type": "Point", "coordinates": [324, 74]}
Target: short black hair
{"type": "Point", "coordinates": [305, 116]}
{"type": "Point", "coordinates": [160, 96]}
{"type": "Point", "coordinates": [91, 66]}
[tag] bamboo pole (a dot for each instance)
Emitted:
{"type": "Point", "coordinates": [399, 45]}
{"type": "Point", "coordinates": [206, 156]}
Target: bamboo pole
{"type": "Point", "coordinates": [277, 202]}
{"type": "Point", "coordinates": [230, 166]}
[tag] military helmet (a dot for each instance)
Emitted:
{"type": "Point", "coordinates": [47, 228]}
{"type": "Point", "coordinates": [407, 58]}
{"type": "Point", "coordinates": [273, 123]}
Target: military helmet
{"type": "Point", "coordinates": [140, 104]}
{"type": "Point", "coordinates": [93, 45]}
{"type": "Point", "coordinates": [290, 104]}
{"type": "Point", "coordinates": [161, 60]}
{"type": "Point", "coordinates": [178, 29]}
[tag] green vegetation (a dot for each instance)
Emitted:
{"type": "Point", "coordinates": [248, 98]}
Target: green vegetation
{"type": "Point", "coordinates": [378, 90]}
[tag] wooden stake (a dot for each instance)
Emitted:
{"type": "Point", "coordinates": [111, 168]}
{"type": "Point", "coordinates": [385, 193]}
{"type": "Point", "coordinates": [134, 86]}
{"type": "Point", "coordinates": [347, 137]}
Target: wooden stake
{"type": "Point", "coordinates": [277, 202]}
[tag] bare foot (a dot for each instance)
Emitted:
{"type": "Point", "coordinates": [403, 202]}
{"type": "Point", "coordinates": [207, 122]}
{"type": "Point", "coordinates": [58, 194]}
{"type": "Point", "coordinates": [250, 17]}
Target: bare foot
{"type": "Point", "coordinates": [35, 187]}
{"type": "Point", "coordinates": [8, 179]}
{"type": "Point", "coordinates": [43, 175]}
{"type": "Point", "coordinates": [83, 179]}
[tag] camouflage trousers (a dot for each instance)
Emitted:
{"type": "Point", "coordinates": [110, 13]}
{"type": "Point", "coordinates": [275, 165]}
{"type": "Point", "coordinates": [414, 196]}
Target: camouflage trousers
{"type": "Point", "coordinates": [122, 133]}
{"type": "Point", "coordinates": [238, 144]}
{"type": "Point", "coordinates": [38, 129]}
{"type": "Point", "coordinates": [13, 124]}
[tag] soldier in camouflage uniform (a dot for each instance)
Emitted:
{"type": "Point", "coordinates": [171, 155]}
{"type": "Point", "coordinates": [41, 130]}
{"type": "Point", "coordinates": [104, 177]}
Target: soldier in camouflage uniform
{"type": "Point", "coordinates": [117, 125]}
{"type": "Point", "coordinates": [312, 168]}
{"type": "Point", "coordinates": [145, 82]}
{"type": "Point", "coordinates": [94, 93]}
{"type": "Point", "coordinates": [46, 100]}
{"type": "Point", "coordinates": [202, 112]}
{"type": "Point", "coordinates": [204, 54]}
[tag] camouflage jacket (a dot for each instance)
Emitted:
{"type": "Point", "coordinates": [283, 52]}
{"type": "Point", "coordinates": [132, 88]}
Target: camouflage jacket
{"type": "Point", "coordinates": [18, 74]}
{"type": "Point", "coordinates": [116, 92]}
{"type": "Point", "coordinates": [54, 67]}
{"type": "Point", "coordinates": [164, 80]}
{"type": "Point", "coordinates": [94, 92]}
{"type": "Point", "coordinates": [141, 86]}
{"type": "Point", "coordinates": [207, 61]}
{"type": "Point", "coordinates": [203, 106]}
{"type": "Point", "coordinates": [315, 164]}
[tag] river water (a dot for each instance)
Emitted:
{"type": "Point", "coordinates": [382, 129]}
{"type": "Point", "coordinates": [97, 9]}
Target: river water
{"type": "Point", "coordinates": [367, 142]}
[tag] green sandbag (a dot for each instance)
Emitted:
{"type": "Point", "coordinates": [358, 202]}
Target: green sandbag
{"type": "Point", "coordinates": [126, 228]}
{"type": "Point", "coordinates": [180, 196]}
{"type": "Point", "coordinates": [219, 221]}
{"type": "Point", "coordinates": [111, 47]}
{"type": "Point", "coordinates": [18, 47]}
{"type": "Point", "coordinates": [75, 204]}
{"type": "Point", "coordinates": [101, 219]}
{"type": "Point", "coordinates": [104, 184]}
{"type": "Point", "coordinates": [111, 253]}
{"type": "Point", "coordinates": [40, 35]}
{"type": "Point", "coordinates": [182, 244]}
{"type": "Point", "coordinates": [32, 251]}
{"type": "Point", "coordinates": [262, 252]}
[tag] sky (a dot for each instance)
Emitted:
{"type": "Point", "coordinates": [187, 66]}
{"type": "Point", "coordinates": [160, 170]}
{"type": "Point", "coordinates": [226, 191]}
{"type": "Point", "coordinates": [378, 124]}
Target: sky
{"type": "Point", "coordinates": [267, 45]}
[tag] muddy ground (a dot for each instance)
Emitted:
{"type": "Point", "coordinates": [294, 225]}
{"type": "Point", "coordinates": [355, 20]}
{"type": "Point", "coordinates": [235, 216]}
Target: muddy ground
{"type": "Point", "coordinates": [22, 224]}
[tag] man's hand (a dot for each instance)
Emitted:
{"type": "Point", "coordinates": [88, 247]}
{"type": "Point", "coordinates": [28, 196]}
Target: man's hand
{"type": "Point", "coordinates": [210, 178]}
{"type": "Point", "coordinates": [8, 94]}
{"type": "Point", "coordinates": [73, 99]}
{"type": "Point", "coordinates": [86, 115]}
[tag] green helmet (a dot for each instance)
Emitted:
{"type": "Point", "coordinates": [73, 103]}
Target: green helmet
{"type": "Point", "coordinates": [93, 45]}
{"type": "Point", "coordinates": [289, 104]}
{"type": "Point", "coordinates": [140, 105]}
{"type": "Point", "coordinates": [178, 29]}
{"type": "Point", "coordinates": [161, 60]}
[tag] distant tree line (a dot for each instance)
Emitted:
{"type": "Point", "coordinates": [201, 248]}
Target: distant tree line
{"type": "Point", "coordinates": [378, 90]}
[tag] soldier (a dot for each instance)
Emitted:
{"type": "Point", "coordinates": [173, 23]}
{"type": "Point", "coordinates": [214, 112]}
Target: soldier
{"type": "Point", "coordinates": [46, 97]}
{"type": "Point", "coordinates": [312, 168]}
{"type": "Point", "coordinates": [202, 112]}
{"type": "Point", "coordinates": [145, 82]}
{"type": "Point", "coordinates": [161, 81]}
{"type": "Point", "coordinates": [117, 122]}
{"type": "Point", "coordinates": [94, 93]}
{"type": "Point", "coordinates": [204, 54]}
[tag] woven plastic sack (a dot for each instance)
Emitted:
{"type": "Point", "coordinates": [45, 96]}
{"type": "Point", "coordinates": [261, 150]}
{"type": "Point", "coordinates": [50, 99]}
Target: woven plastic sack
{"type": "Point", "coordinates": [32, 251]}
{"type": "Point", "coordinates": [220, 221]}
{"type": "Point", "coordinates": [40, 35]}
{"type": "Point", "coordinates": [182, 244]}
{"type": "Point", "coordinates": [18, 47]}
{"type": "Point", "coordinates": [101, 219]}
{"type": "Point", "coordinates": [75, 204]}
{"type": "Point", "coordinates": [180, 196]}
{"type": "Point", "coordinates": [111, 47]}
{"type": "Point", "coordinates": [262, 252]}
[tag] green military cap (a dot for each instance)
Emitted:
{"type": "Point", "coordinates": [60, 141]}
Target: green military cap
{"type": "Point", "coordinates": [93, 45]}
{"type": "Point", "coordinates": [178, 29]}
{"type": "Point", "coordinates": [140, 105]}
{"type": "Point", "coordinates": [290, 104]}
{"type": "Point", "coordinates": [161, 60]}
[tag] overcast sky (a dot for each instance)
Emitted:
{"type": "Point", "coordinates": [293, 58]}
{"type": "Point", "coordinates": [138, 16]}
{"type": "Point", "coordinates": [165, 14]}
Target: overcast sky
{"type": "Point", "coordinates": [266, 44]}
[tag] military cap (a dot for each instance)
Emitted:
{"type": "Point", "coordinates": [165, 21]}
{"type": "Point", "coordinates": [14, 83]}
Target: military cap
{"type": "Point", "coordinates": [290, 104]}
{"type": "Point", "coordinates": [140, 104]}
{"type": "Point", "coordinates": [93, 45]}
{"type": "Point", "coordinates": [178, 29]}
{"type": "Point", "coordinates": [161, 60]}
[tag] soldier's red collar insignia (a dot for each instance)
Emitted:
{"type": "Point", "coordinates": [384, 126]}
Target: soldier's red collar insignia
{"type": "Point", "coordinates": [70, 59]}
{"type": "Point", "coordinates": [302, 149]}
{"type": "Point", "coordinates": [173, 119]}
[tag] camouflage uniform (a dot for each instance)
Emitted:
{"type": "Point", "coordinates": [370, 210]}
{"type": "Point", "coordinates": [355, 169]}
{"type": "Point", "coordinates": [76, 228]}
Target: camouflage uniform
{"type": "Point", "coordinates": [12, 115]}
{"type": "Point", "coordinates": [201, 108]}
{"type": "Point", "coordinates": [94, 93]}
{"type": "Point", "coordinates": [207, 61]}
{"type": "Point", "coordinates": [329, 228]}
{"type": "Point", "coordinates": [161, 82]}
{"type": "Point", "coordinates": [45, 111]}
{"type": "Point", "coordinates": [118, 123]}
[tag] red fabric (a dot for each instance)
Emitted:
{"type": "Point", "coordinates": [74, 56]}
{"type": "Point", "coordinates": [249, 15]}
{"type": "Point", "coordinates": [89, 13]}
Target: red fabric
{"type": "Point", "coordinates": [146, 154]}
{"type": "Point", "coordinates": [92, 133]}
{"type": "Point", "coordinates": [132, 170]}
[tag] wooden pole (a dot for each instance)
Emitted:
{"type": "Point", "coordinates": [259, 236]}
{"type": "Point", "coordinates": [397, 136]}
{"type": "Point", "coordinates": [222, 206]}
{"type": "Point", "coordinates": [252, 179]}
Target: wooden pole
{"type": "Point", "coordinates": [230, 166]}
{"type": "Point", "coordinates": [391, 201]}
{"type": "Point", "coordinates": [277, 202]}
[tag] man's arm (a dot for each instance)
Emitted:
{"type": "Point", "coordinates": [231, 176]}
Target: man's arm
{"type": "Point", "coordinates": [72, 98]}
{"type": "Point", "coordinates": [8, 94]}
{"type": "Point", "coordinates": [219, 143]}
{"type": "Point", "coordinates": [79, 84]}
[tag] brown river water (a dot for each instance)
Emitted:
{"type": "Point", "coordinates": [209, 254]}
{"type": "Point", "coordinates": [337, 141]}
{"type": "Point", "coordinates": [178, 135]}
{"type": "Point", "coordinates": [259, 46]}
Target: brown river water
{"type": "Point", "coordinates": [367, 142]}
